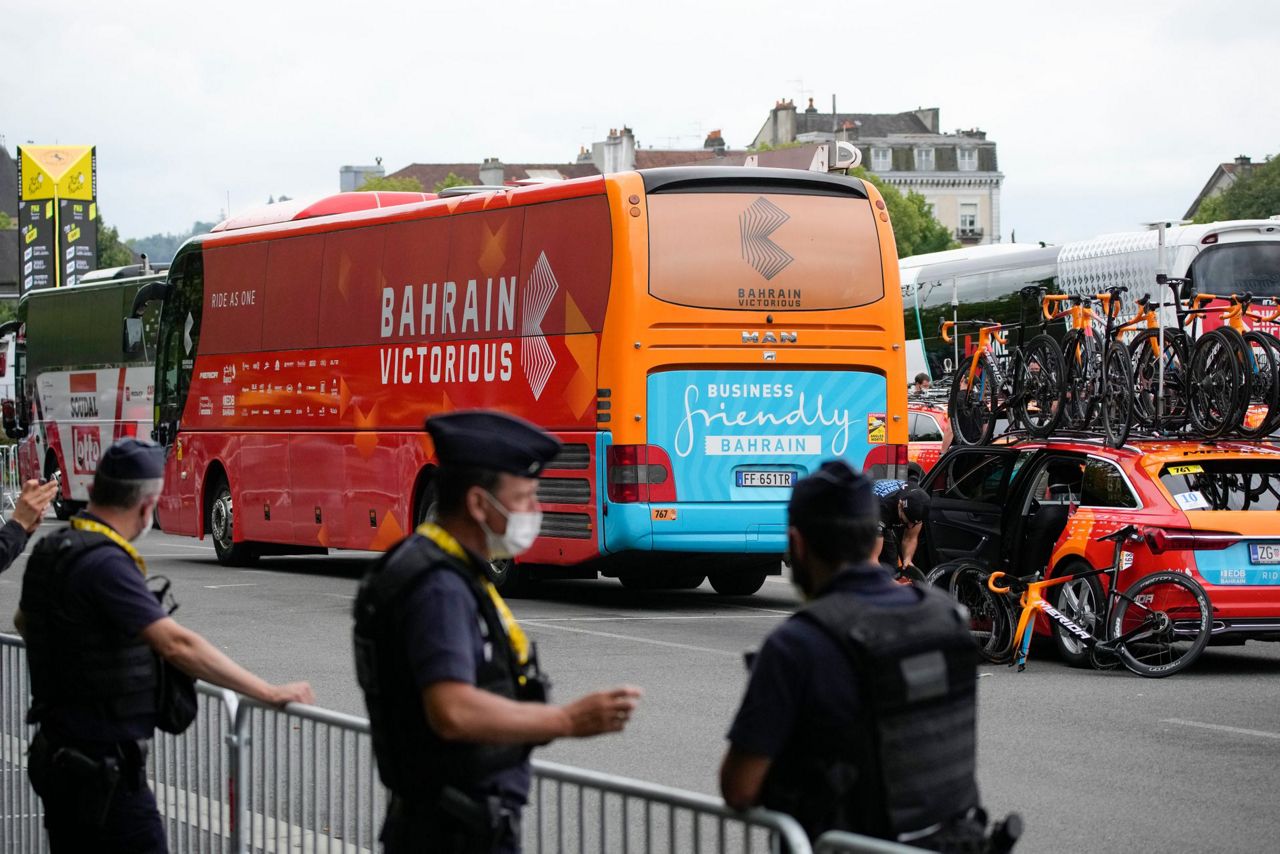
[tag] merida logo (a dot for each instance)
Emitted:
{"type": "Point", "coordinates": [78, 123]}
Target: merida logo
{"type": "Point", "coordinates": [1065, 621]}
{"type": "Point", "coordinates": [757, 223]}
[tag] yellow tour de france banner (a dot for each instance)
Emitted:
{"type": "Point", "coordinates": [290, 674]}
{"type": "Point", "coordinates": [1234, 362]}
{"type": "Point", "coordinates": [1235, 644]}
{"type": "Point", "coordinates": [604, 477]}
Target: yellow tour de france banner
{"type": "Point", "coordinates": [57, 214]}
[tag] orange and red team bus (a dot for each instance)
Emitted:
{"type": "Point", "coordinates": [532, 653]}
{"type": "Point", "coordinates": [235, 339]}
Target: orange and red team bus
{"type": "Point", "coordinates": [698, 338]}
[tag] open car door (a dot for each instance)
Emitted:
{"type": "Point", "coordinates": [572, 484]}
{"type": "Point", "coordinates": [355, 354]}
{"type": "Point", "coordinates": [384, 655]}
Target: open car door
{"type": "Point", "coordinates": [968, 488]}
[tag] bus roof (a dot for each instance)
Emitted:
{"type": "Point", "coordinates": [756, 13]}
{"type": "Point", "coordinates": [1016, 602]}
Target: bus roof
{"type": "Point", "coordinates": [961, 262]}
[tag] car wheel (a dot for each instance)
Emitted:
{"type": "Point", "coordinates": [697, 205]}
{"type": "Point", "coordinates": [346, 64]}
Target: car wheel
{"type": "Point", "coordinates": [221, 525]}
{"type": "Point", "coordinates": [1081, 602]}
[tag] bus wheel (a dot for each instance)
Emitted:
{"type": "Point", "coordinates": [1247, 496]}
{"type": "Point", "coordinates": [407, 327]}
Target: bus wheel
{"type": "Point", "coordinates": [511, 579]}
{"type": "Point", "coordinates": [63, 508]}
{"type": "Point", "coordinates": [741, 582]}
{"type": "Point", "coordinates": [221, 525]}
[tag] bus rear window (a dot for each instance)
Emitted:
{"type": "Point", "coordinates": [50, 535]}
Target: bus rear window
{"type": "Point", "coordinates": [769, 251]}
{"type": "Point", "coordinates": [1237, 268]}
{"type": "Point", "coordinates": [1240, 484]}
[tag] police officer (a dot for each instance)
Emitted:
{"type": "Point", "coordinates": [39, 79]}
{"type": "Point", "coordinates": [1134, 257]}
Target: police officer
{"type": "Point", "coordinates": [28, 510]}
{"type": "Point", "coordinates": [903, 509]}
{"type": "Point", "coordinates": [455, 697]}
{"type": "Point", "coordinates": [93, 632]}
{"type": "Point", "coordinates": [860, 710]}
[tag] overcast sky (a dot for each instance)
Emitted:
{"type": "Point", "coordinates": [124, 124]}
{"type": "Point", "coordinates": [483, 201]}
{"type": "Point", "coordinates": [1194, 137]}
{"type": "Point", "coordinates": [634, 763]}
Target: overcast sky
{"type": "Point", "coordinates": [1106, 114]}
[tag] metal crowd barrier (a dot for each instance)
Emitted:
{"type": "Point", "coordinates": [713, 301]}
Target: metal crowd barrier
{"type": "Point", "coordinates": [839, 842]}
{"type": "Point", "coordinates": [250, 779]}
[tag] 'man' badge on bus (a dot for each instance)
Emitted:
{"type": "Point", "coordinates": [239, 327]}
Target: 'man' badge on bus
{"type": "Point", "coordinates": [876, 429]}
{"type": "Point", "coordinates": [664, 514]}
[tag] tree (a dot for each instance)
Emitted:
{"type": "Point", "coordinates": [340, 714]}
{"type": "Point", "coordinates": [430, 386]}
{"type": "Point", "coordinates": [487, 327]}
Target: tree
{"type": "Point", "coordinates": [160, 248]}
{"type": "Point", "coordinates": [111, 251]}
{"type": "Point", "coordinates": [390, 185]}
{"type": "Point", "coordinates": [452, 180]}
{"type": "Point", "coordinates": [1254, 195]}
{"type": "Point", "coordinates": [915, 229]}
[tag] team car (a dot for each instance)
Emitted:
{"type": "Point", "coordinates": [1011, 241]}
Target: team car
{"type": "Point", "coordinates": [928, 436]}
{"type": "Point", "coordinates": [1207, 510]}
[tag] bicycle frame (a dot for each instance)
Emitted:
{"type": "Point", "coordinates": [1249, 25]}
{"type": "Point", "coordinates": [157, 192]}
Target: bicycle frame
{"type": "Point", "coordinates": [1033, 600]}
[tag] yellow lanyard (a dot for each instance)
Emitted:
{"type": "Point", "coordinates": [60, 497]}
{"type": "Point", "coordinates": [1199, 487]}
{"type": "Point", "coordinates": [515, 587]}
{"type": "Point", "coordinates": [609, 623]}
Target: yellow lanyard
{"type": "Point", "coordinates": [449, 545]}
{"type": "Point", "coordinates": [82, 524]}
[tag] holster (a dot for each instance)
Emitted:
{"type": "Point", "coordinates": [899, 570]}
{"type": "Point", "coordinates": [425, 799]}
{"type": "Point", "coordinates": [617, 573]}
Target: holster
{"type": "Point", "coordinates": [81, 783]}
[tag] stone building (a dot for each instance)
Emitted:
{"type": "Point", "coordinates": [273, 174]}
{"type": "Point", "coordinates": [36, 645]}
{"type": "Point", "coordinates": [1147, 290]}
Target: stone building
{"type": "Point", "coordinates": [1224, 175]}
{"type": "Point", "coordinates": [956, 172]}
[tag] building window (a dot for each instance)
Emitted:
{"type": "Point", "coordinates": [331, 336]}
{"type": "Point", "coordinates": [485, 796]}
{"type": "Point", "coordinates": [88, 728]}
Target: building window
{"type": "Point", "coordinates": [924, 159]}
{"type": "Point", "coordinates": [967, 159]}
{"type": "Point", "coordinates": [968, 217]}
{"type": "Point", "coordinates": [881, 159]}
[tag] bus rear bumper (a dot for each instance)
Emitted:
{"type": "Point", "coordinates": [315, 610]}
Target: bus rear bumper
{"type": "Point", "coordinates": [724, 528]}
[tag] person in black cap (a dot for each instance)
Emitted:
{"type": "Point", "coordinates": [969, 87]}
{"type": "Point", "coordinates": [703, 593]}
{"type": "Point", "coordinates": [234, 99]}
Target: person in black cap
{"type": "Point", "coordinates": [903, 509]}
{"type": "Point", "coordinates": [455, 696]}
{"type": "Point", "coordinates": [95, 634]}
{"type": "Point", "coordinates": [859, 712]}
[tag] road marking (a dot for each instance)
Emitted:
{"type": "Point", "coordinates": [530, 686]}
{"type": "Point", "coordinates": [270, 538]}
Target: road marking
{"type": "Point", "coordinates": [220, 586]}
{"type": "Point", "coordinates": [670, 644]}
{"type": "Point", "coordinates": [1256, 733]}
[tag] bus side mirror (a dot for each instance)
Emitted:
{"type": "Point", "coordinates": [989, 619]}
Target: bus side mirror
{"type": "Point", "coordinates": [132, 336]}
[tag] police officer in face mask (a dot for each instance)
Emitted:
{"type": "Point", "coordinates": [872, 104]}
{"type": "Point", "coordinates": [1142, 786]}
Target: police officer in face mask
{"type": "Point", "coordinates": [455, 697]}
{"type": "Point", "coordinates": [860, 710]}
{"type": "Point", "coordinates": [94, 631]}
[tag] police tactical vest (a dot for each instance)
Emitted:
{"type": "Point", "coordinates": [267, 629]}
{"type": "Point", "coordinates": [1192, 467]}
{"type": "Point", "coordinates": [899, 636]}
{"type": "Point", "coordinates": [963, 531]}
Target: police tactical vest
{"type": "Point", "coordinates": [413, 761]}
{"type": "Point", "coordinates": [76, 658]}
{"type": "Point", "coordinates": [909, 760]}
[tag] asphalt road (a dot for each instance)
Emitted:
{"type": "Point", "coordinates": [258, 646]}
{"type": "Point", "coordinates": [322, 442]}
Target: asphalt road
{"type": "Point", "coordinates": [1095, 761]}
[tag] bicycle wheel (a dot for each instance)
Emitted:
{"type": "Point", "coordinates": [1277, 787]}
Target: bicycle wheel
{"type": "Point", "coordinates": [972, 410]}
{"type": "Point", "coordinates": [991, 619]}
{"type": "Point", "coordinates": [1263, 386]}
{"type": "Point", "coordinates": [1116, 404]}
{"type": "Point", "coordinates": [1272, 421]}
{"type": "Point", "coordinates": [1162, 624]}
{"type": "Point", "coordinates": [1144, 349]}
{"type": "Point", "coordinates": [1216, 385]}
{"type": "Point", "coordinates": [1083, 360]}
{"type": "Point", "coordinates": [1038, 386]}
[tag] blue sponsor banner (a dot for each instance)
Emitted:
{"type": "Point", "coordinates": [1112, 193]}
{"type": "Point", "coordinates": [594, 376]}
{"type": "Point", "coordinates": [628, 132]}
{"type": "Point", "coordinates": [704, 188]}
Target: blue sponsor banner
{"type": "Point", "coordinates": [1233, 567]}
{"type": "Point", "coordinates": [724, 430]}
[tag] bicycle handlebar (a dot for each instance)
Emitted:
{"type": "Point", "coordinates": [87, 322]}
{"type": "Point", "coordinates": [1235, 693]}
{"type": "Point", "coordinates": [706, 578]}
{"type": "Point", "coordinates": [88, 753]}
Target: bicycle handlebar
{"type": "Point", "coordinates": [995, 588]}
{"type": "Point", "coordinates": [946, 330]}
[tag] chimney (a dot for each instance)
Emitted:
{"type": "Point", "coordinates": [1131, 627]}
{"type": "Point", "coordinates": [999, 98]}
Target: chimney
{"type": "Point", "coordinates": [584, 156]}
{"type": "Point", "coordinates": [811, 108]}
{"type": "Point", "coordinates": [492, 172]}
{"type": "Point", "coordinates": [628, 151]}
{"type": "Point", "coordinates": [784, 122]}
{"type": "Point", "coordinates": [1243, 164]}
{"type": "Point", "coordinates": [930, 118]}
{"type": "Point", "coordinates": [715, 141]}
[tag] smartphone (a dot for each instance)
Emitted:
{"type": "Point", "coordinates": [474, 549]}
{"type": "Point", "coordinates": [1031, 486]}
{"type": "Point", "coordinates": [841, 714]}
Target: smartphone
{"type": "Point", "coordinates": [56, 476]}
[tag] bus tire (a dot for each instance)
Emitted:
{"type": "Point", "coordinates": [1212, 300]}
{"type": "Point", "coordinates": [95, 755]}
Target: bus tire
{"type": "Point", "coordinates": [509, 578]}
{"type": "Point", "coordinates": [741, 582]}
{"type": "Point", "coordinates": [63, 508]}
{"type": "Point", "coordinates": [220, 520]}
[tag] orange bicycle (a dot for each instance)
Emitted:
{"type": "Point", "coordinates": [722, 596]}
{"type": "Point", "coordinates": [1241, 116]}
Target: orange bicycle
{"type": "Point", "coordinates": [1098, 380]}
{"type": "Point", "coordinates": [1157, 626]}
{"type": "Point", "coordinates": [1023, 385]}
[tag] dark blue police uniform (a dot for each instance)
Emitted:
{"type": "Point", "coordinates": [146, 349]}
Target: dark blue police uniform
{"type": "Point", "coordinates": [801, 680]}
{"type": "Point", "coordinates": [13, 539]}
{"type": "Point", "coordinates": [85, 604]}
{"type": "Point", "coordinates": [443, 631]}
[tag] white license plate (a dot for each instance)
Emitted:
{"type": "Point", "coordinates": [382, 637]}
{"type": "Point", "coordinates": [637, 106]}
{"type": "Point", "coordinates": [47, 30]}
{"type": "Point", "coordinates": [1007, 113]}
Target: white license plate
{"type": "Point", "coordinates": [1264, 553]}
{"type": "Point", "coordinates": [765, 478]}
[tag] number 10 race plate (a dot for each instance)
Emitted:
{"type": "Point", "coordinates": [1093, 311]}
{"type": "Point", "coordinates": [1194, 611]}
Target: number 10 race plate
{"type": "Point", "coordinates": [1264, 553]}
{"type": "Point", "coordinates": [765, 478]}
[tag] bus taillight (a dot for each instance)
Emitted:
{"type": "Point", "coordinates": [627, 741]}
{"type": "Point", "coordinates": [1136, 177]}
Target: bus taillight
{"type": "Point", "coordinates": [639, 473]}
{"type": "Point", "coordinates": [886, 462]}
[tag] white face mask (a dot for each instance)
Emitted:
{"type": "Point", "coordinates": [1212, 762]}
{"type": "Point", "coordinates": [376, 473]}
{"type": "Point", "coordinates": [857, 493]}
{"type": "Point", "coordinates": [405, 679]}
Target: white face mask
{"type": "Point", "coordinates": [522, 529]}
{"type": "Point", "coordinates": [146, 527]}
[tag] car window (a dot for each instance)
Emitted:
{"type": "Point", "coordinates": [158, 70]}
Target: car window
{"type": "Point", "coordinates": [1057, 481]}
{"type": "Point", "coordinates": [972, 477]}
{"type": "Point", "coordinates": [923, 428]}
{"type": "Point", "coordinates": [1240, 484]}
{"type": "Point", "coordinates": [1105, 486]}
